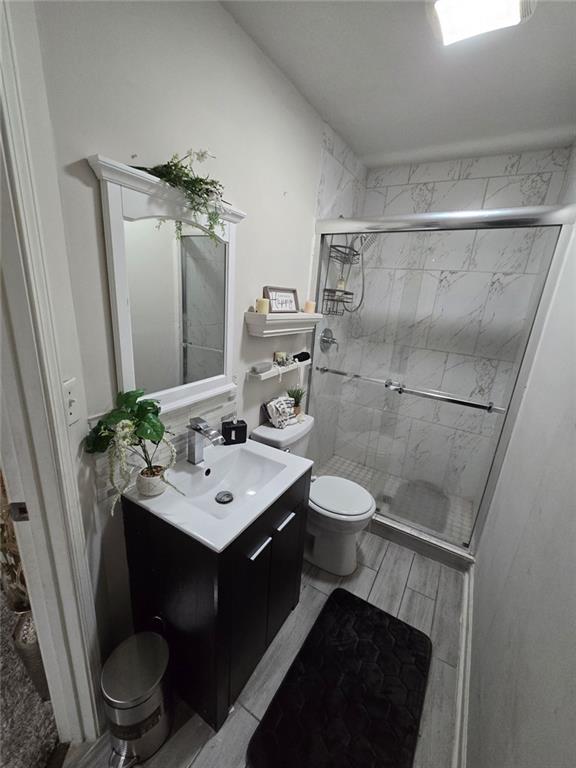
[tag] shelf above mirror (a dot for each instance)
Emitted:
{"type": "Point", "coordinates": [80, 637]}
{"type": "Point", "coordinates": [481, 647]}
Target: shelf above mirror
{"type": "Point", "coordinates": [129, 177]}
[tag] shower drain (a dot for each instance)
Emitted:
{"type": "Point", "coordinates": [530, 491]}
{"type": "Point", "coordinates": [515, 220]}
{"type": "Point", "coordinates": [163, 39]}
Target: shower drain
{"type": "Point", "coordinates": [224, 497]}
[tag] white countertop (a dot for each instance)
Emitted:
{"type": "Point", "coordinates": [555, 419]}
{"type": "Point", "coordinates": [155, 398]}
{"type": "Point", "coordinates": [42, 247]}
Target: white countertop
{"type": "Point", "coordinates": [256, 474]}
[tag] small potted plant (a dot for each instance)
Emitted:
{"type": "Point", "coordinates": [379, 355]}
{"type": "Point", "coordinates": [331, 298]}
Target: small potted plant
{"type": "Point", "coordinates": [296, 393]}
{"type": "Point", "coordinates": [127, 429]}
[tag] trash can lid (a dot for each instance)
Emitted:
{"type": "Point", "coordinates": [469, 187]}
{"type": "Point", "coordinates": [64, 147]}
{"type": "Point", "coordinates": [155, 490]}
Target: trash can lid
{"type": "Point", "coordinates": [134, 669]}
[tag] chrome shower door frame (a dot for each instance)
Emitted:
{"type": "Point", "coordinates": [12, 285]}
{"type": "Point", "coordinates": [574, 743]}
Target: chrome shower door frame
{"type": "Point", "coordinates": [562, 216]}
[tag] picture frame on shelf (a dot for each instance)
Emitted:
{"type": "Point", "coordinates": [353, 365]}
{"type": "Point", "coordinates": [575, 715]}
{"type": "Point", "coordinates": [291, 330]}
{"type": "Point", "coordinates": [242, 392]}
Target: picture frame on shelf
{"type": "Point", "coordinates": [281, 299]}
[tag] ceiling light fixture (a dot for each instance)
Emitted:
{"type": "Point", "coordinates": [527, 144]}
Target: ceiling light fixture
{"type": "Point", "coordinates": [460, 19]}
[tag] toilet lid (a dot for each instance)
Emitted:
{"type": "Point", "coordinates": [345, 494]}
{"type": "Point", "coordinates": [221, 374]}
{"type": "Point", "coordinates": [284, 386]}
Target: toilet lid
{"type": "Point", "coordinates": [340, 496]}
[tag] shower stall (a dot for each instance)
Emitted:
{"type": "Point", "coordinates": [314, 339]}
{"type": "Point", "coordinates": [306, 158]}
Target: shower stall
{"type": "Point", "coordinates": [426, 324]}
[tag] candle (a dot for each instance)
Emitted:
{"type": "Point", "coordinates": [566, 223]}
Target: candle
{"type": "Point", "coordinates": [263, 306]}
{"type": "Point", "coordinates": [310, 307]}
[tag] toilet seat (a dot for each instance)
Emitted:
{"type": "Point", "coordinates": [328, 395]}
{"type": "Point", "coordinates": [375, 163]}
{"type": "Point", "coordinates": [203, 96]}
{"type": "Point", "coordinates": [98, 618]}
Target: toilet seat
{"type": "Point", "coordinates": [340, 498]}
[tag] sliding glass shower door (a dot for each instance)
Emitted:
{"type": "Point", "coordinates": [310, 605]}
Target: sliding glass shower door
{"type": "Point", "coordinates": [419, 349]}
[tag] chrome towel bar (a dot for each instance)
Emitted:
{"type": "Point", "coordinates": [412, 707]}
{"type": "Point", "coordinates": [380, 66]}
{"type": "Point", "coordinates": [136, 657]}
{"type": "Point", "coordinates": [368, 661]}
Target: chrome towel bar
{"type": "Point", "coordinates": [430, 394]}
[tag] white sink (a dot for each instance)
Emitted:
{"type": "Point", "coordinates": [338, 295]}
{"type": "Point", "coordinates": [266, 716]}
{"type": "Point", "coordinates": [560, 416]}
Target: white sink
{"type": "Point", "coordinates": [241, 472]}
{"type": "Point", "coordinates": [254, 474]}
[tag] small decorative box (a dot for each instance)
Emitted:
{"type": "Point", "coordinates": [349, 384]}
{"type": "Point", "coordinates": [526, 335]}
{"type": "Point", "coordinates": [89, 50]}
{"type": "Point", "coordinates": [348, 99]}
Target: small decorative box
{"type": "Point", "coordinates": [234, 432]}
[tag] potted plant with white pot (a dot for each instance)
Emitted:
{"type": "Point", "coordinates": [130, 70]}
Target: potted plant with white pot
{"type": "Point", "coordinates": [132, 428]}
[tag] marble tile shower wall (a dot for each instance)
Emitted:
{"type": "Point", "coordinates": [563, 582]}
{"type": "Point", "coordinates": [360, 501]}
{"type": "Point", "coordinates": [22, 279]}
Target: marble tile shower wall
{"type": "Point", "coordinates": [445, 310]}
{"type": "Point", "coordinates": [342, 182]}
{"type": "Point", "coordinates": [501, 181]}
{"type": "Point", "coordinates": [341, 192]}
{"type": "Point", "coordinates": [205, 290]}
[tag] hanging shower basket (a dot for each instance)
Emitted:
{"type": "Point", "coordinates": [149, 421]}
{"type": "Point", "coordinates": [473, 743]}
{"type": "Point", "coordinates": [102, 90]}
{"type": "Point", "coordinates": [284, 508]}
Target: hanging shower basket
{"type": "Point", "coordinates": [344, 254]}
{"type": "Point", "coordinates": [334, 301]}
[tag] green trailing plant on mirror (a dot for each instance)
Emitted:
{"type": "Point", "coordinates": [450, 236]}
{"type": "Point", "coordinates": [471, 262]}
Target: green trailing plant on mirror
{"type": "Point", "coordinates": [203, 194]}
{"type": "Point", "coordinates": [126, 430]}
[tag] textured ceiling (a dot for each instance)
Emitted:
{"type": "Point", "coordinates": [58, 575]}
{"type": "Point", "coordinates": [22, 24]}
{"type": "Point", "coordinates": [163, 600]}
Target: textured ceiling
{"type": "Point", "coordinates": [377, 73]}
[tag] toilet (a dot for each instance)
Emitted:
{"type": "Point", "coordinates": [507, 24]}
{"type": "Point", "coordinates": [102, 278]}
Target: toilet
{"type": "Point", "coordinates": [338, 509]}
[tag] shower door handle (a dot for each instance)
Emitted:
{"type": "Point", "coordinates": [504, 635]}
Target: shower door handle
{"type": "Point", "coordinates": [444, 397]}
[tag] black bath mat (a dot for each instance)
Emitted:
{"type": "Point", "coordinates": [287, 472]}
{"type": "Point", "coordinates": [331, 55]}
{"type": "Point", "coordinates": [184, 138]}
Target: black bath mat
{"type": "Point", "coordinates": [353, 696]}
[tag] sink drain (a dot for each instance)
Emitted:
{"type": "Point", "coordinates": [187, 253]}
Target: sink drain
{"type": "Point", "coordinates": [224, 497]}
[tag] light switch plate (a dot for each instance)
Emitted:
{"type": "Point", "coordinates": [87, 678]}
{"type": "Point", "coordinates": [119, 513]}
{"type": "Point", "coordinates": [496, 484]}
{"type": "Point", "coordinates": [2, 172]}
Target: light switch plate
{"type": "Point", "coordinates": [71, 401]}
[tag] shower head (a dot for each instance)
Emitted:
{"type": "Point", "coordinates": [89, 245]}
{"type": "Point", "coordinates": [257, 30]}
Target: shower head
{"type": "Point", "coordinates": [367, 240]}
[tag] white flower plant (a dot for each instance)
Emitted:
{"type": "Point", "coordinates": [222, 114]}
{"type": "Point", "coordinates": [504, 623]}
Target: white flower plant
{"type": "Point", "coordinates": [126, 430]}
{"type": "Point", "coordinates": [203, 194]}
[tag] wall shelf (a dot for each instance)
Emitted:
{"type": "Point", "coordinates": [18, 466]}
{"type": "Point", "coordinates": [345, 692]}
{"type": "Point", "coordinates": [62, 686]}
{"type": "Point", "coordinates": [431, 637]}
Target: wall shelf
{"type": "Point", "coordinates": [280, 323]}
{"type": "Point", "coordinates": [277, 371]}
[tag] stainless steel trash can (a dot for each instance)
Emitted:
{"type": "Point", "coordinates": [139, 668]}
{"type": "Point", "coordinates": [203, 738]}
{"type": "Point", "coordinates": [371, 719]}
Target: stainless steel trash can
{"type": "Point", "coordinates": [135, 698]}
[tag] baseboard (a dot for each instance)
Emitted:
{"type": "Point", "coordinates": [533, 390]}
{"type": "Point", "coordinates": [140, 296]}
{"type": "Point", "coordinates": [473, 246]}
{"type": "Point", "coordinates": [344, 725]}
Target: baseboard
{"type": "Point", "coordinates": [423, 543]}
{"type": "Point", "coordinates": [463, 694]}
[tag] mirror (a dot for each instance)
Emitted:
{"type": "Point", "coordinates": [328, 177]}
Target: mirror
{"type": "Point", "coordinates": [204, 295]}
{"type": "Point", "coordinates": [171, 289]}
{"type": "Point", "coordinates": [177, 293]}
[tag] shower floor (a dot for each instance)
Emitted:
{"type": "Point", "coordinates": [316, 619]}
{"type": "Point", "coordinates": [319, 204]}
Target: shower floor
{"type": "Point", "coordinates": [452, 523]}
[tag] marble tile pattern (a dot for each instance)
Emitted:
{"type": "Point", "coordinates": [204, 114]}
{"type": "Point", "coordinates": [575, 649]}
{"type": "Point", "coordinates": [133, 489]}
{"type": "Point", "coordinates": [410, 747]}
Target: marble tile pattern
{"type": "Point", "coordinates": [342, 183]}
{"type": "Point", "coordinates": [341, 192]}
{"type": "Point", "coordinates": [384, 486]}
{"type": "Point", "coordinates": [507, 180]}
{"type": "Point", "coordinates": [204, 289]}
{"type": "Point", "coordinates": [441, 310]}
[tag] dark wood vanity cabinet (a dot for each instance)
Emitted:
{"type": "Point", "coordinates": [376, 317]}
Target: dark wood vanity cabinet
{"type": "Point", "coordinates": [218, 611]}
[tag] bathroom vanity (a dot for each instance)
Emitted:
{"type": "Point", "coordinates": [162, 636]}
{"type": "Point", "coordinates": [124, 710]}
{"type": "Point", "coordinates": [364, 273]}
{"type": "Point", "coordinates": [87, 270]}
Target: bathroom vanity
{"type": "Point", "coordinates": [219, 604]}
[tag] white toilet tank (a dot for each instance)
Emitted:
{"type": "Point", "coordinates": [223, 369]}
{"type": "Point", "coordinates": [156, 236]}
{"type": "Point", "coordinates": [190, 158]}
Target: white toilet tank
{"type": "Point", "coordinates": [293, 438]}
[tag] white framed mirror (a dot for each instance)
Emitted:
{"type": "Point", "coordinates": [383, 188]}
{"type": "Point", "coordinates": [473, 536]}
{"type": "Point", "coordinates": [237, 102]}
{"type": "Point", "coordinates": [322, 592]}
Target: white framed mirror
{"type": "Point", "coordinates": [171, 293]}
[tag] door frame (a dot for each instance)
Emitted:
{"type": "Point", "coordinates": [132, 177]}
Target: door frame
{"type": "Point", "coordinates": [54, 543]}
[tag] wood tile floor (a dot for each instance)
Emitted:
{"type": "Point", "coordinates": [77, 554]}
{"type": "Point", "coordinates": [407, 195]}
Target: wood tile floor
{"type": "Point", "coordinates": [420, 591]}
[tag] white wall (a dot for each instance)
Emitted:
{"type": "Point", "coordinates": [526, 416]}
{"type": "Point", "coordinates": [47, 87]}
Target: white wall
{"type": "Point", "coordinates": [523, 678]}
{"type": "Point", "coordinates": [175, 76]}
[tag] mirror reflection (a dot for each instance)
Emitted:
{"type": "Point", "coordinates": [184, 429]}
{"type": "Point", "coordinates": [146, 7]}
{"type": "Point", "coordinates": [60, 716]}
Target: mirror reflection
{"type": "Point", "coordinates": [177, 289]}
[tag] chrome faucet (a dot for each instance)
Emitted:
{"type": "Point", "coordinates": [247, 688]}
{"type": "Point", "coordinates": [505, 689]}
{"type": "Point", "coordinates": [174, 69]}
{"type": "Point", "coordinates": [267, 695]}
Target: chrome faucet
{"type": "Point", "coordinates": [199, 432]}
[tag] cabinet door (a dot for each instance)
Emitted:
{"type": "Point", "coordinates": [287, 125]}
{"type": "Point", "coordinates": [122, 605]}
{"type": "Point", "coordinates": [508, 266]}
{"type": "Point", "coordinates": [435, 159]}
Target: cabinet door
{"type": "Point", "coordinates": [250, 574]}
{"type": "Point", "coordinates": [285, 567]}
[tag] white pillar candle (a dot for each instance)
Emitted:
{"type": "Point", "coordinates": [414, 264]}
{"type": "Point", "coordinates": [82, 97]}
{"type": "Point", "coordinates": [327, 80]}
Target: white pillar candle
{"type": "Point", "coordinates": [263, 306]}
{"type": "Point", "coordinates": [310, 307]}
